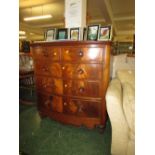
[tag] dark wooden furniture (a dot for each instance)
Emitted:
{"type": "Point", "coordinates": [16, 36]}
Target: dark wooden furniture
{"type": "Point", "coordinates": [26, 82]}
{"type": "Point", "coordinates": [71, 80]}
{"type": "Point", "coordinates": [26, 79]}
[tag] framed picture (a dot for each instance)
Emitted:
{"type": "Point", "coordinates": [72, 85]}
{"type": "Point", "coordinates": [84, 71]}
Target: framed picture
{"type": "Point", "coordinates": [84, 33]}
{"type": "Point", "coordinates": [62, 34]}
{"type": "Point", "coordinates": [92, 32]}
{"type": "Point", "coordinates": [74, 33]}
{"type": "Point", "coordinates": [50, 35]}
{"type": "Point", "coordinates": [105, 33]}
{"type": "Point", "coordinates": [25, 46]}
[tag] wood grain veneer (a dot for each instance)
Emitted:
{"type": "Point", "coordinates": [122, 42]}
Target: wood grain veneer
{"type": "Point", "coordinates": [71, 80]}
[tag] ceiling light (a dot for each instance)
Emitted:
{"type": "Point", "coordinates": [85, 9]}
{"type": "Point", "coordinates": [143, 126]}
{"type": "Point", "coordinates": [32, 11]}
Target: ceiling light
{"type": "Point", "coordinates": [130, 47]}
{"type": "Point", "coordinates": [37, 17]}
{"type": "Point", "coordinates": [22, 32]}
{"type": "Point", "coordinates": [22, 37]}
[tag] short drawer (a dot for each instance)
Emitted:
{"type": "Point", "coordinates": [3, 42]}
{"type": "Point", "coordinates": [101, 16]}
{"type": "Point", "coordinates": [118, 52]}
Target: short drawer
{"type": "Point", "coordinates": [51, 53]}
{"type": "Point", "coordinates": [48, 69]}
{"type": "Point", "coordinates": [82, 54]}
{"type": "Point", "coordinates": [81, 108]}
{"type": "Point", "coordinates": [82, 71]}
{"type": "Point", "coordinates": [50, 85]}
{"type": "Point", "coordinates": [81, 88]}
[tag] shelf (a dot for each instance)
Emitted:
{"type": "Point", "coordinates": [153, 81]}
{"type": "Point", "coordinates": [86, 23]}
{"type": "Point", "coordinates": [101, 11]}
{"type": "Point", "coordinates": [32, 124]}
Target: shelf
{"type": "Point", "coordinates": [25, 54]}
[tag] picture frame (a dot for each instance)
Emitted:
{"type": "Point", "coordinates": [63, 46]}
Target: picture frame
{"type": "Point", "coordinates": [74, 33]}
{"type": "Point", "coordinates": [92, 32]}
{"type": "Point", "coordinates": [50, 35]}
{"type": "Point", "coordinates": [84, 33]}
{"type": "Point", "coordinates": [62, 34]}
{"type": "Point", "coordinates": [26, 46]}
{"type": "Point", "coordinates": [105, 33]}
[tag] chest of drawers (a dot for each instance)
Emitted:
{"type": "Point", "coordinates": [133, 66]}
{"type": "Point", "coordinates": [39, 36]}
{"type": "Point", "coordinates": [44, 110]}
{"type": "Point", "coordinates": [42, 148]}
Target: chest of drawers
{"type": "Point", "coordinates": [71, 80]}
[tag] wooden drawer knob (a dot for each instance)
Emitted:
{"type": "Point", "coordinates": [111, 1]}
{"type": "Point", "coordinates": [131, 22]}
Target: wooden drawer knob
{"type": "Point", "coordinates": [80, 71]}
{"type": "Point", "coordinates": [45, 86]}
{"type": "Point", "coordinates": [54, 53]}
{"type": "Point", "coordinates": [80, 53]}
{"type": "Point", "coordinates": [81, 89]}
{"type": "Point", "coordinates": [45, 69]}
{"type": "Point", "coordinates": [66, 85]}
{"type": "Point", "coordinates": [67, 51]}
{"type": "Point", "coordinates": [63, 67]}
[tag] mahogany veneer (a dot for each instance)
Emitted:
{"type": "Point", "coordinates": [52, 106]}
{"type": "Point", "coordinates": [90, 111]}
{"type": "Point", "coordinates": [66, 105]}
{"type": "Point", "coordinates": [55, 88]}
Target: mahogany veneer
{"type": "Point", "coordinates": [71, 80]}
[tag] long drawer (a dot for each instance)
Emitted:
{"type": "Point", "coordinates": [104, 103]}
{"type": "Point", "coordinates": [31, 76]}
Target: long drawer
{"type": "Point", "coordinates": [69, 106]}
{"type": "Point", "coordinates": [69, 71]}
{"type": "Point", "coordinates": [80, 88]}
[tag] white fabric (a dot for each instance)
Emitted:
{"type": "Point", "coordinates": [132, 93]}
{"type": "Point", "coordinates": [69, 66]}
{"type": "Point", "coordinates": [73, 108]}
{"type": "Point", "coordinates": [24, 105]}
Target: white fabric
{"type": "Point", "coordinates": [126, 76]}
{"type": "Point", "coordinates": [119, 62]}
{"type": "Point", "coordinates": [129, 107]}
{"type": "Point", "coordinates": [120, 102]}
{"type": "Point", "coordinates": [117, 119]}
{"type": "Point", "coordinates": [25, 63]}
{"type": "Point", "coordinates": [130, 61]}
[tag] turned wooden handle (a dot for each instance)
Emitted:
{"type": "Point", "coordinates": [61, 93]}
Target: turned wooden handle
{"type": "Point", "coordinates": [45, 69]}
{"type": "Point", "coordinates": [65, 85]}
{"type": "Point", "coordinates": [80, 71]}
{"type": "Point", "coordinates": [81, 89]}
{"type": "Point", "coordinates": [81, 54]}
{"type": "Point", "coordinates": [45, 86]}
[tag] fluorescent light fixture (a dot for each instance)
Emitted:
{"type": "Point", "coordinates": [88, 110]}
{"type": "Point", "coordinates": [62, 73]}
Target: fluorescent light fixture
{"type": "Point", "coordinates": [37, 17]}
{"type": "Point", "coordinates": [22, 37]}
{"type": "Point", "coordinates": [31, 33]}
{"type": "Point", "coordinates": [22, 32]}
{"type": "Point", "coordinates": [130, 47]}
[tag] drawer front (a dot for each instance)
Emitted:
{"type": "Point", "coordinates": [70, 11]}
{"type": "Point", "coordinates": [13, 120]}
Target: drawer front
{"type": "Point", "coordinates": [48, 69]}
{"type": "Point", "coordinates": [57, 104]}
{"type": "Point", "coordinates": [50, 103]}
{"type": "Point", "coordinates": [50, 85]}
{"type": "Point", "coordinates": [82, 71]}
{"type": "Point", "coordinates": [81, 88]}
{"type": "Point", "coordinates": [51, 53]}
{"type": "Point", "coordinates": [82, 54]}
{"type": "Point", "coordinates": [44, 101]}
{"type": "Point", "coordinates": [81, 108]}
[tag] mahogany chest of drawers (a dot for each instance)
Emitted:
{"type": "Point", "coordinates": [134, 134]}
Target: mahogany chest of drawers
{"type": "Point", "coordinates": [71, 80]}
